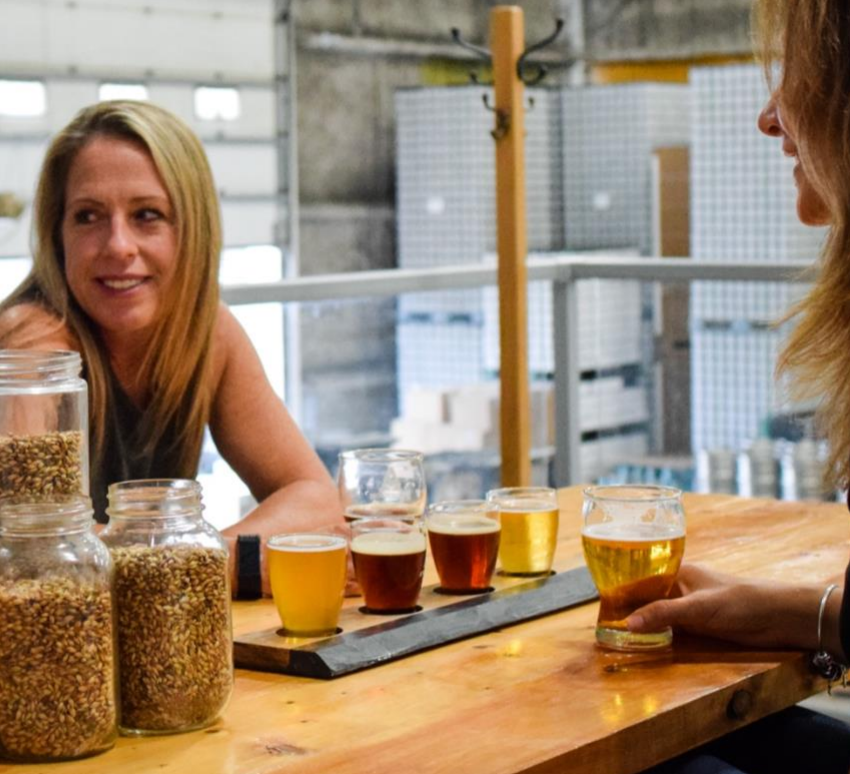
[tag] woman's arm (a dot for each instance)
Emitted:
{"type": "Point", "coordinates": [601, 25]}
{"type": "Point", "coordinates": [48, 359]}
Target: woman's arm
{"type": "Point", "coordinates": [750, 612]}
{"type": "Point", "coordinates": [256, 435]}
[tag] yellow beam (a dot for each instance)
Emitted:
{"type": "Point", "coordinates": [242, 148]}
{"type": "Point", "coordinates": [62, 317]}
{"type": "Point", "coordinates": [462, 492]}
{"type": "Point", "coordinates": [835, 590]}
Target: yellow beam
{"type": "Point", "coordinates": [668, 70]}
{"type": "Point", "coordinates": [507, 42]}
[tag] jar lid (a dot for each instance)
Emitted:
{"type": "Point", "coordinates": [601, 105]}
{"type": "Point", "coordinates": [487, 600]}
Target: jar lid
{"type": "Point", "coordinates": [28, 365]}
{"type": "Point", "coordinates": [155, 497]}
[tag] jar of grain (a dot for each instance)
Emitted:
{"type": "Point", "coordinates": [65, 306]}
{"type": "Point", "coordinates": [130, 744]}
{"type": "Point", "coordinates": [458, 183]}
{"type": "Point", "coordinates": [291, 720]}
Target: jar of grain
{"type": "Point", "coordinates": [43, 425]}
{"type": "Point", "coordinates": [58, 697]}
{"type": "Point", "coordinates": [172, 597]}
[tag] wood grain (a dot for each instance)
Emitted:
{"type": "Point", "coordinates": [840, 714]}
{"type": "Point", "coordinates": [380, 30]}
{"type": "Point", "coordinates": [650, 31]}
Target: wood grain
{"type": "Point", "coordinates": [537, 697]}
{"type": "Point", "coordinates": [507, 40]}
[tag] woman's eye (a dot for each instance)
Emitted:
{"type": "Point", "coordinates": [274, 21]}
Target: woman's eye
{"type": "Point", "coordinates": [84, 216]}
{"type": "Point", "coordinates": [148, 214]}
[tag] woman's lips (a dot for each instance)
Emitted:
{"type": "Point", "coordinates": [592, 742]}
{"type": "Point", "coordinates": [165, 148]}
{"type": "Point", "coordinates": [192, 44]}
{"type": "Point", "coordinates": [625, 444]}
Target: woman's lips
{"type": "Point", "coordinates": [125, 283]}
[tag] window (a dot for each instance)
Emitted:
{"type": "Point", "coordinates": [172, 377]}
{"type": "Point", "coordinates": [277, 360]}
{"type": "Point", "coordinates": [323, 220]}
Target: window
{"type": "Point", "coordinates": [22, 99]}
{"type": "Point", "coordinates": [122, 91]}
{"type": "Point", "coordinates": [212, 102]}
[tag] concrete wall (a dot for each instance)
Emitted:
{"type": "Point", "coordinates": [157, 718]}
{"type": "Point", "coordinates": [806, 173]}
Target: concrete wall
{"type": "Point", "coordinates": [352, 55]}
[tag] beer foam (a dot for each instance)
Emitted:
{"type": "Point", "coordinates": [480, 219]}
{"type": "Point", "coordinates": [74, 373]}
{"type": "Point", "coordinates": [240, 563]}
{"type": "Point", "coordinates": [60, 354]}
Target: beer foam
{"type": "Point", "coordinates": [645, 532]}
{"type": "Point", "coordinates": [386, 543]}
{"type": "Point", "coordinates": [305, 543]}
{"type": "Point", "coordinates": [472, 525]}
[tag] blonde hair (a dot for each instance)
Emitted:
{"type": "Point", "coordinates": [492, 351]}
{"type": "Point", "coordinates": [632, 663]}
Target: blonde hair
{"type": "Point", "coordinates": [805, 46]}
{"type": "Point", "coordinates": [176, 367]}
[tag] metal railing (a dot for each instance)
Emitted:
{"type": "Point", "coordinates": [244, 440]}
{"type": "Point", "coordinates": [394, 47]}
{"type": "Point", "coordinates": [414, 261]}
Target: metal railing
{"type": "Point", "coordinates": [562, 271]}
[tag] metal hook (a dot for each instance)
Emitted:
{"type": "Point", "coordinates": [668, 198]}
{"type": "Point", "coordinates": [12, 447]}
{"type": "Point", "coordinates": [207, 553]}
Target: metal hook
{"type": "Point", "coordinates": [503, 119]}
{"type": "Point", "coordinates": [541, 69]}
{"type": "Point", "coordinates": [480, 53]}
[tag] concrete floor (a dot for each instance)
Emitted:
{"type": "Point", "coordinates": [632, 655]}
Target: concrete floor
{"type": "Point", "coordinates": [837, 704]}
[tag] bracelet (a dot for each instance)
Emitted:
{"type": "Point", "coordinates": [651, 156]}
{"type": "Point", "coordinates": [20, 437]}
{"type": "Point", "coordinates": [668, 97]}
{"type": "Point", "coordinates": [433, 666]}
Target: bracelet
{"type": "Point", "coordinates": [248, 577]}
{"type": "Point", "coordinates": [822, 662]}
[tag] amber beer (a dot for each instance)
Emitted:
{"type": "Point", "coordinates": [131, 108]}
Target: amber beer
{"type": "Point", "coordinates": [529, 517]}
{"type": "Point", "coordinates": [465, 546]}
{"type": "Point", "coordinates": [632, 565]}
{"type": "Point", "coordinates": [307, 574]}
{"type": "Point", "coordinates": [389, 565]}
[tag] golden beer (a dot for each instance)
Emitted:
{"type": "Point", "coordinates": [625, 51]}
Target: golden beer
{"type": "Point", "coordinates": [389, 565]}
{"type": "Point", "coordinates": [307, 574]}
{"type": "Point", "coordinates": [464, 541]}
{"type": "Point", "coordinates": [632, 565]}
{"type": "Point", "coordinates": [529, 517]}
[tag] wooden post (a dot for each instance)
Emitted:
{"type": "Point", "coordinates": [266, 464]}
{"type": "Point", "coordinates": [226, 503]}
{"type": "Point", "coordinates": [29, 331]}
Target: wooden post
{"type": "Point", "coordinates": [507, 42]}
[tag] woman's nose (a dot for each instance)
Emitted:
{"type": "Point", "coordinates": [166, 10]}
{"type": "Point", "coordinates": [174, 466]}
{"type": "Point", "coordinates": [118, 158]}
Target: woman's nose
{"type": "Point", "coordinates": [769, 121]}
{"type": "Point", "coordinates": [121, 243]}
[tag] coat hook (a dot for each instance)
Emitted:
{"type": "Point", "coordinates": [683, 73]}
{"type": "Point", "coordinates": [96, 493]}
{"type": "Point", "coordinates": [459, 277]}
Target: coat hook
{"type": "Point", "coordinates": [541, 69]}
{"type": "Point", "coordinates": [480, 53]}
{"type": "Point", "coordinates": [503, 119]}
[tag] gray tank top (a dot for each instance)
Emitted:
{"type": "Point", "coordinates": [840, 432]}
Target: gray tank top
{"type": "Point", "coordinates": [124, 457]}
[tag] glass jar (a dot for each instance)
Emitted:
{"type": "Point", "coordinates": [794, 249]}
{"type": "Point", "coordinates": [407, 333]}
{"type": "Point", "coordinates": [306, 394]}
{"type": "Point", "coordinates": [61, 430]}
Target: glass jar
{"type": "Point", "coordinates": [43, 425]}
{"type": "Point", "coordinates": [58, 697]}
{"type": "Point", "coordinates": [172, 597]}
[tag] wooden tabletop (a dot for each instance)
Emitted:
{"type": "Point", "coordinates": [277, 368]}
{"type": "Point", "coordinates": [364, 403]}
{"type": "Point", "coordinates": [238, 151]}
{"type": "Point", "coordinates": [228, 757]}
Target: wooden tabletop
{"type": "Point", "coordinates": [536, 697]}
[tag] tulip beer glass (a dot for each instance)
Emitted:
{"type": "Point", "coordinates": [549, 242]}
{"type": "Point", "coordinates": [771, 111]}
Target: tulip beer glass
{"type": "Point", "coordinates": [464, 538]}
{"type": "Point", "coordinates": [634, 540]}
{"type": "Point", "coordinates": [529, 517]}
{"type": "Point", "coordinates": [389, 561]}
{"type": "Point", "coordinates": [307, 573]}
{"type": "Point", "coordinates": [381, 482]}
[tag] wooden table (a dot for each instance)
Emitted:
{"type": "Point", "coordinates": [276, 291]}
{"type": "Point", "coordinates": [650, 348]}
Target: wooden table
{"type": "Point", "coordinates": [537, 697]}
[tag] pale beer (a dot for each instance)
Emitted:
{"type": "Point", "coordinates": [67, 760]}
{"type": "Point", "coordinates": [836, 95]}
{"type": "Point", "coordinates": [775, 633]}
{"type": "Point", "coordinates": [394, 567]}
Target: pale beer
{"type": "Point", "coordinates": [632, 565]}
{"type": "Point", "coordinates": [403, 511]}
{"type": "Point", "coordinates": [307, 574]}
{"type": "Point", "coordinates": [529, 519]}
{"type": "Point", "coordinates": [389, 565]}
{"type": "Point", "coordinates": [465, 547]}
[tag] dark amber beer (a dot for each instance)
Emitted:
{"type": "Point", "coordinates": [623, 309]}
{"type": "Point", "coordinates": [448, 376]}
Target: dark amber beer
{"type": "Point", "coordinates": [389, 564]}
{"type": "Point", "coordinates": [464, 541]}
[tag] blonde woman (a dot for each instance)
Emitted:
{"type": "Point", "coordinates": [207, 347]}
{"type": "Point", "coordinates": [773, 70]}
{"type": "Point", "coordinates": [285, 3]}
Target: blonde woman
{"type": "Point", "coordinates": [809, 113]}
{"type": "Point", "coordinates": [125, 270]}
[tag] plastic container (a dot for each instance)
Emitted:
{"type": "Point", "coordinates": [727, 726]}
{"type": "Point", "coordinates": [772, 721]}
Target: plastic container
{"type": "Point", "coordinates": [43, 425]}
{"type": "Point", "coordinates": [58, 697]}
{"type": "Point", "coordinates": [172, 596]}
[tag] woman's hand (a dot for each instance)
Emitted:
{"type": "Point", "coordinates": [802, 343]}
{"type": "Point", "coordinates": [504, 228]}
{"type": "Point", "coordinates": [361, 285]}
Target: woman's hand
{"type": "Point", "coordinates": [749, 612]}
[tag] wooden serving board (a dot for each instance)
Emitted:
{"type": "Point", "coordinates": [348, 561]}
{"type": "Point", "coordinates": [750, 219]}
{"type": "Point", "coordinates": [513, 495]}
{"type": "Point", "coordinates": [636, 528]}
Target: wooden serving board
{"type": "Point", "coordinates": [368, 640]}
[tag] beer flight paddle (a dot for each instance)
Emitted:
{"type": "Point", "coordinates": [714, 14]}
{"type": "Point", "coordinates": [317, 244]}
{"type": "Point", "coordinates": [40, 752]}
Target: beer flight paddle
{"type": "Point", "coordinates": [381, 641]}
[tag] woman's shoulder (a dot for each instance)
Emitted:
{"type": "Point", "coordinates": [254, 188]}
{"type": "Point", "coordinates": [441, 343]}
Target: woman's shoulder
{"type": "Point", "coordinates": [29, 325]}
{"type": "Point", "coordinates": [227, 339]}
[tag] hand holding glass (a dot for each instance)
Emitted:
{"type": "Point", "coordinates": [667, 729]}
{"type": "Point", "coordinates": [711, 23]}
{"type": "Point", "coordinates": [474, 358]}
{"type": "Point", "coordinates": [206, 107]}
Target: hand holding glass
{"type": "Point", "coordinates": [634, 541]}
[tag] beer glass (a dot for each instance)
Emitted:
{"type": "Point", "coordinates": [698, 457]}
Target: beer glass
{"type": "Point", "coordinates": [381, 482]}
{"type": "Point", "coordinates": [307, 573]}
{"type": "Point", "coordinates": [464, 538]}
{"type": "Point", "coordinates": [389, 561]}
{"type": "Point", "coordinates": [529, 517]}
{"type": "Point", "coordinates": [634, 540]}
